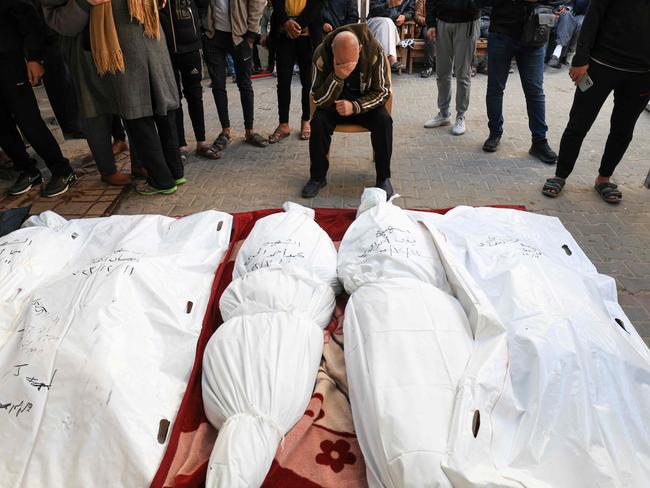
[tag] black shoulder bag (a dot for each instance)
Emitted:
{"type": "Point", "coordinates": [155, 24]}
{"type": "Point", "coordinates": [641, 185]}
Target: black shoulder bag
{"type": "Point", "coordinates": [537, 26]}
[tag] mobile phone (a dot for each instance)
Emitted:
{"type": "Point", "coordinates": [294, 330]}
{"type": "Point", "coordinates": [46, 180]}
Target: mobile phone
{"type": "Point", "coordinates": [585, 83]}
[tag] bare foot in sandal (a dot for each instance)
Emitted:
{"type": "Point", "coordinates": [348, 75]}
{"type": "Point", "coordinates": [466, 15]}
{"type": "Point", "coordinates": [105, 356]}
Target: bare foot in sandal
{"type": "Point", "coordinates": [553, 186]}
{"type": "Point", "coordinates": [208, 151]}
{"type": "Point", "coordinates": [305, 130]}
{"type": "Point", "coordinates": [607, 190]}
{"type": "Point", "coordinates": [282, 132]}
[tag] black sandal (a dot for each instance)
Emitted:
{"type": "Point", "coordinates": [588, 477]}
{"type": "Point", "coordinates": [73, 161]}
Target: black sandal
{"type": "Point", "coordinates": [609, 192]}
{"type": "Point", "coordinates": [257, 140]}
{"type": "Point", "coordinates": [209, 151]}
{"type": "Point", "coordinates": [222, 141]}
{"type": "Point", "coordinates": [553, 187]}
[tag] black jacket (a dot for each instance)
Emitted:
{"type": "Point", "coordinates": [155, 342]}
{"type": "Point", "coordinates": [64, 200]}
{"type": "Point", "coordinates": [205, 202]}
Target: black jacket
{"type": "Point", "coordinates": [452, 11]}
{"type": "Point", "coordinates": [340, 12]}
{"type": "Point", "coordinates": [181, 22]}
{"type": "Point", "coordinates": [508, 16]}
{"type": "Point", "coordinates": [310, 18]}
{"type": "Point", "coordinates": [578, 7]}
{"type": "Point", "coordinates": [380, 8]}
{"type": "Point", "coordinates": [616, 33]}
{"type": "Point", "coordinates": [21, 31]}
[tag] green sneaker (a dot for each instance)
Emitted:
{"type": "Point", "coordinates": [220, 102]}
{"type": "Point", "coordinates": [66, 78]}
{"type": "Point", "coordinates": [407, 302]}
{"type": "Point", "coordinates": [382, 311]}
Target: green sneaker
{"type": "Point", "coordinates": [147, 190]}
{"type": "Point", "coordinates": [181, 181]}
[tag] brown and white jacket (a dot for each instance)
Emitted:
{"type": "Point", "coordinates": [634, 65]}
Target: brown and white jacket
{"type": "Point", "coordinates": [373, 66]}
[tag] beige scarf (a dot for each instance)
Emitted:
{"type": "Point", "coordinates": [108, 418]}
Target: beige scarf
{"type": "Point", "coordinates": [104, 43]}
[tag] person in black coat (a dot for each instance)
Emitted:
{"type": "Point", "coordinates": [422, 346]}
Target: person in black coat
{"type": "Point", "coordinates": [21, 68]}
{"type": "Point", "coordinates": [337, 13]}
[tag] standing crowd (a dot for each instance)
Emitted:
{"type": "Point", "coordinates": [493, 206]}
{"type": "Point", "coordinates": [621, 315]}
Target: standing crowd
{"type": "Point", "coordinates": [118, 68]}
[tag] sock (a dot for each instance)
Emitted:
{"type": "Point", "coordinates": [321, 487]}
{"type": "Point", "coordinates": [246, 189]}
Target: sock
{"type": "Point", "coordinates": [558, 51]}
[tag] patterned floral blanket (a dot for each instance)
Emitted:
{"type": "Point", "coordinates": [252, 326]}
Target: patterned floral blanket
{"type": "Point", "coordinates": [321, 451]}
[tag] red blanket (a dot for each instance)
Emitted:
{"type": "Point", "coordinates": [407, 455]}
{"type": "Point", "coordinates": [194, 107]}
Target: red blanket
{"type": "Point", "coordinates": [322, 449]}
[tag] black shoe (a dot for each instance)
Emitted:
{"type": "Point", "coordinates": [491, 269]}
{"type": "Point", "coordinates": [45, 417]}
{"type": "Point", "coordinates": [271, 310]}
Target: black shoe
{"type": "Point", "coordinates": [25, 182]}
{"type": "Point", "coordinates": [58, 185]}
{"type": "Point", "coordinates": [492, 143]}
{"type": "Point", "coordinates": [312, 188]}
{"type": "Point", "coordinates": [542, 151]}
{"type": "Point", "coordinates": [386, 186]}
{"type": "Point", "coordinates": [426, 72]}
{"type": "Point", "coordinates": [554, 62]}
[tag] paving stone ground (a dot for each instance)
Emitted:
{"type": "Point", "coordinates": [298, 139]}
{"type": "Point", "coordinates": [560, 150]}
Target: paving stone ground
{"type": "Point", "coordinates": [432, 169]}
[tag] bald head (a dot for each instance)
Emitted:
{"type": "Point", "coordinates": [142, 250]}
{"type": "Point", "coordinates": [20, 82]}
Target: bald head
{"type": "Point", "coordinates": [346, 48]}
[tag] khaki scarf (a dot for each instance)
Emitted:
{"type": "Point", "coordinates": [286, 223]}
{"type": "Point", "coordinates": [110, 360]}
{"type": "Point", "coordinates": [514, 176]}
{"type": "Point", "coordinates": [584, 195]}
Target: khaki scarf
{"type": "Point", "coordinates": [104, 43]}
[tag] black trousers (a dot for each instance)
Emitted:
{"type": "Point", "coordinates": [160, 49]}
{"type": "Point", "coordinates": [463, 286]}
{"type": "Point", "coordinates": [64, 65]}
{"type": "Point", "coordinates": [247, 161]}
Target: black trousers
{"type": "Point", "coordinates": [631, 95]}
{"type": "Point", "coordinates": [18, 107]}
{"type": "Point", "coordinates": [60, 88]}
{"type": "Point", "coordinates": [287, 53]}
{"type": "Point", "coordinates": [117, 129]}
{"type": "Point", "coordinates": [98, 132]}
{"type": "Point", "coordinates": [215, 51]}
{"type": "Point", "coordinates": [156, 140]}
{"type": "Point", "coordinates": [378, 121]}
{"type": "Point", "coordinates": [188, 70]}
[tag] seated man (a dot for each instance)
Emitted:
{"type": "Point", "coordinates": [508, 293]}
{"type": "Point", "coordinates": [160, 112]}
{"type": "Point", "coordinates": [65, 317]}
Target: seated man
{"type": "Point", "coordinates": [383, 19]}
{"type": "Point", "coordinates": [351, 85]}
{"type": "Point", "coordinates": [429, 44]}
{"type": "Point", "coordinates": [568, 27]}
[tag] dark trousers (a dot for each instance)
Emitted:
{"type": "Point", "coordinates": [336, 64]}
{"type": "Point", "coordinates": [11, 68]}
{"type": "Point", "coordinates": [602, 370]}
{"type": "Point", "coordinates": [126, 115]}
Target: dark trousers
{"type": "Point", "coordinates": [98, 132]}
{"type": "Point", "coordinates": [429, 49]}
{"type": "Point", "coordinates": [287, 53]}
{"type": "Point", "coordinates": [156, 140]}
{"type": "Point", "coordinates": [60, 88]}
{"type": "Point", "coordinates": [215, 51]}
{"type": "Point", "coordinates": [631, 95]}
{"type": "Point", "coordinates": [378, 121]}
{"type": "Point", "coordinates": [188, 70]}
{"type": "Point", "coordinates": [117, 129]}
{"type": "Point", "coordinates": [530, 62]}
{"type": "Point", "coordinates": [18, 107]}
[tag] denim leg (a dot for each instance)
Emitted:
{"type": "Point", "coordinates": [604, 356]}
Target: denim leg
{"type": "Point", "coordinates": [500, 51]}
{"type": "Point", "coordinates": [530, 61]}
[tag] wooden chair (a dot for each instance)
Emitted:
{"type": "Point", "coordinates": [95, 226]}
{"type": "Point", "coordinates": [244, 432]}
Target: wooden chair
{"type": "Point", "coordinates": [354, 128]}
{"type": "Point", "coordinates": [419, 49]}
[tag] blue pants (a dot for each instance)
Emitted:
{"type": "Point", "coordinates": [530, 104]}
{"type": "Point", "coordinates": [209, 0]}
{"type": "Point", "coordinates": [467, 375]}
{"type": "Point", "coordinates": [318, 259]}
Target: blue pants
{"type": "Point", "coordinates": [530, 61]}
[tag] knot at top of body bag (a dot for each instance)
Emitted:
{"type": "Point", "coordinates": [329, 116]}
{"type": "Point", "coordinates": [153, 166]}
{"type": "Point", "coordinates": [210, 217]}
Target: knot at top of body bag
{"type": "Point", "coordinates": [289, 239]}
{"type": "Point", "coordinates": [271, 290]}
{"type": "Point", "coordinates": [385, 242]}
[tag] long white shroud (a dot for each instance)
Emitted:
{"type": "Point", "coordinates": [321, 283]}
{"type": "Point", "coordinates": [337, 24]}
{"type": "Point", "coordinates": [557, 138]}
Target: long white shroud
{"type": "Point", "coordinates": [407, 342]}
{"type": "Point", "coordinates": [101, 343]}
{"type": "Point", "coordinates": [260, 366]}
{"type": "Point", "coordinates": [557, 393]}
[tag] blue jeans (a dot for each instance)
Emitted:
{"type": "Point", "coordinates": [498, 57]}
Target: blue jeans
{"type": "Point", "coordinates": [530, 61]}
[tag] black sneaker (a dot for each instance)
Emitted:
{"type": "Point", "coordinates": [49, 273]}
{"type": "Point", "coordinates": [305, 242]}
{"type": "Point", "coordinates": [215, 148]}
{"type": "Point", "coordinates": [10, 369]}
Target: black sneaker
{"type": "Point", "coordinates": [492, 143]}
{"type": "Point", "coordinates": [387, 187]}
{"type": "Point", "coordinates": [312, 188]}
{"type": "Point", "coordinates": [426, 72]}
{"type": "Point", "coordinates": [542, 151]}
{"type": "Point", "coordinates": [58, 185]}
{"type": "Point", "coordinates": [25, 182]}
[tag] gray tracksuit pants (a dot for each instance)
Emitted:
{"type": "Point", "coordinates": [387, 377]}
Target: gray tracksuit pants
{"type": "Point", "coordinates": [455, 48]}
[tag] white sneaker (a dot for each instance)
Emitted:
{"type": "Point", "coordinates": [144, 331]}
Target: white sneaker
{"type": "Point", "coordinates": [459, 127]}
{"type": "Point", "coordinates": [438, 121]}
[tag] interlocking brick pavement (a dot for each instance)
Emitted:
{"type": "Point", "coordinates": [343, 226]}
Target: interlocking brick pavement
{"type": "Point", "coordinates": [432, 168]}
{"type": "Point", "coordinates": [89, 197]}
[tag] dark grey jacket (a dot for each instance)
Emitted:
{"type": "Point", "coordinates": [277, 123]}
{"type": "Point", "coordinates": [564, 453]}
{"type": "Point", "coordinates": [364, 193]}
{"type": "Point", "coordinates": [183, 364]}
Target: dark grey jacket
{"type": "Point", "coordinates": [147, 84]}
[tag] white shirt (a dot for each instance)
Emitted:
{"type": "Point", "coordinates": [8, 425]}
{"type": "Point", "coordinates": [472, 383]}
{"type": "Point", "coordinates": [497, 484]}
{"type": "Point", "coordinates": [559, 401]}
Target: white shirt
{"type": "Point", "coordinates": [221, 14]}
